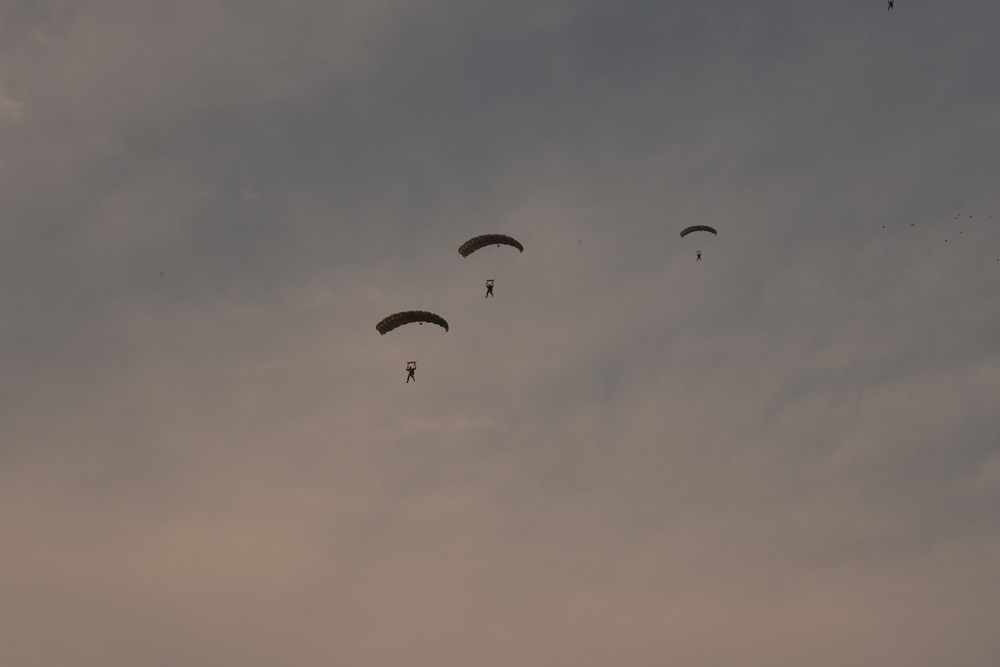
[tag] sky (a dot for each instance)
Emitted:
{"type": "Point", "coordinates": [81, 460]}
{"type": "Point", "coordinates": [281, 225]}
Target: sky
{"type": "Point", "coordinates": [786, 454]}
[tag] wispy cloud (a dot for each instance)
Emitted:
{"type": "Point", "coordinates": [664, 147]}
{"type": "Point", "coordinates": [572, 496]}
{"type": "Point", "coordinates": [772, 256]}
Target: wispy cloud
{"type": "Point", "coordinates": [11, 110]}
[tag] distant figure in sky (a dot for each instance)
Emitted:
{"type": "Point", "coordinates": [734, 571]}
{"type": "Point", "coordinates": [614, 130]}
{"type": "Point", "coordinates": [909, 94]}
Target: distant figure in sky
{"type": "Point", "coordinates": [489, 289]}
{"type": "Point", "coordinates": [698, 256]}
{"type": "Point", "coordinates": [411, 368]}
{"type": "Point", "coordinates": [890, 5]}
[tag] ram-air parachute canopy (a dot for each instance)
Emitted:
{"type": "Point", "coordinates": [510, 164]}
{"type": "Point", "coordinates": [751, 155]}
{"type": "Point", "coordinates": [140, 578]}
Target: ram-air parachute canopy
{"type": "Point", "coordinates": [409, 317]}
{"type": "Point", "coordinates": [477, 242]}
{"type": "Point", "coordinates": [698, 228]}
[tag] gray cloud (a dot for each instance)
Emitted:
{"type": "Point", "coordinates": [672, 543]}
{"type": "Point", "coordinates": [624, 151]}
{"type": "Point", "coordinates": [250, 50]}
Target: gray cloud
{"type": "Point", "coordinates": [785, 454]}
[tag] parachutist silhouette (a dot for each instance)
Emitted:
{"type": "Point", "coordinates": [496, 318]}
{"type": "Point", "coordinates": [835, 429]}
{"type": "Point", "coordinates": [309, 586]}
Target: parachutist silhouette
{"type": "Point", "coordinates": [698, 228]}
{"type": "Point", "coordinates": [411, 368]}
{"type": "Point", "coordinates": [890, 5]}
{"type": "Point", "coordinates": [489, 289]}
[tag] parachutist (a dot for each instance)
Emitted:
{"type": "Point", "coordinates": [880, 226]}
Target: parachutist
{"type": "Point", "coordinates": [890, 5]}
{"type": "Point", "coordinates": [411, 368]}
{"type": "Point", "coordinates": [698, 256]}
{"type": "Point", "coordinates": [484, 241]}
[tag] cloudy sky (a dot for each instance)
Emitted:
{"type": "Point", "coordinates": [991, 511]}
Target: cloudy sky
{"type": "Point", "coordinates": [787, 454]}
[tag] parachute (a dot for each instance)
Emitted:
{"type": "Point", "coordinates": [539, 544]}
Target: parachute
{"type": "Point", "coordinates": [408, 317]}
{"type": "Point", "coordinates": [698, 228]}
{"type": "Point", "coordinates": [477, 242]}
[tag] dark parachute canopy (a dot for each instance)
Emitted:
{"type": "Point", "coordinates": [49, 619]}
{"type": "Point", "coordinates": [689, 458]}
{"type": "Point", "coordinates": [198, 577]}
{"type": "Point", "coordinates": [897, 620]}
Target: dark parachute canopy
{"type": "Point", "coordinates": [408, 317]}
{"type": "Point", "coordinates": [477, 242]}
{"type": "Point", "coordinates": [698, 228]}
